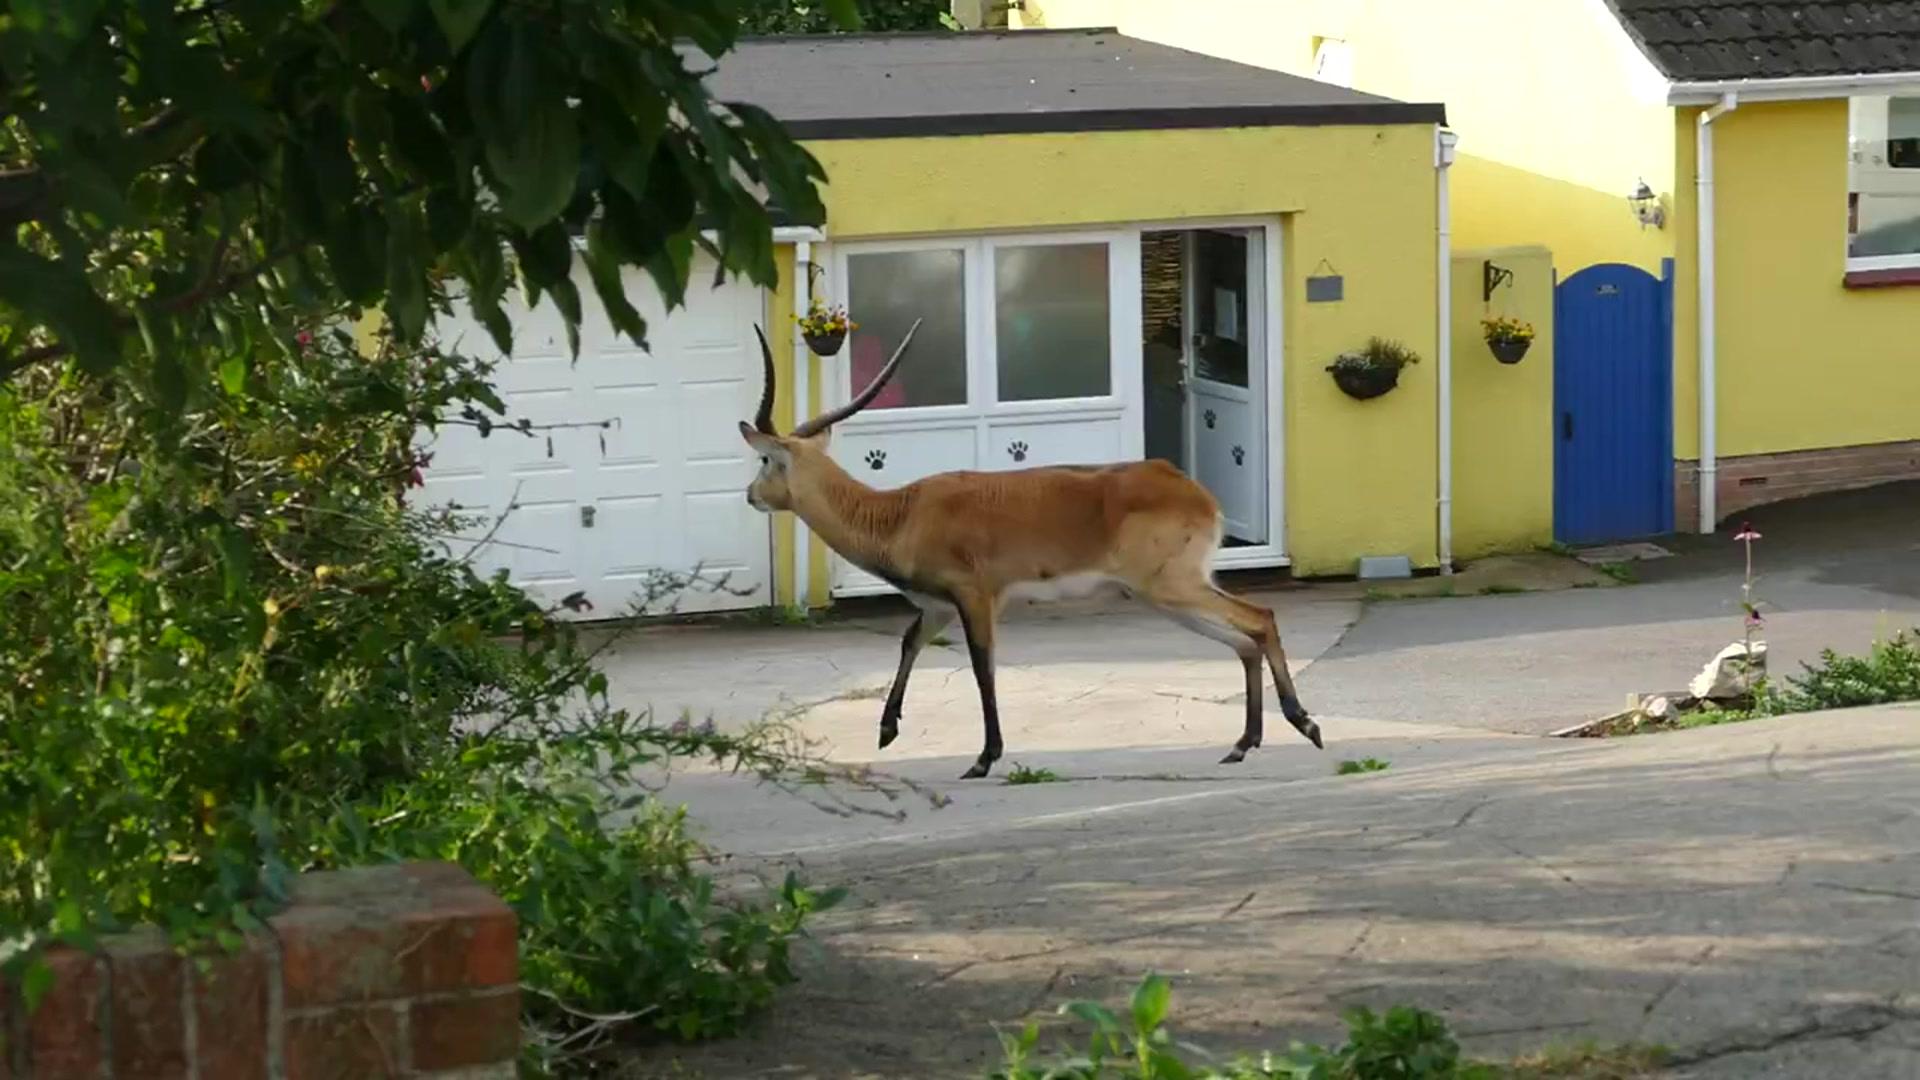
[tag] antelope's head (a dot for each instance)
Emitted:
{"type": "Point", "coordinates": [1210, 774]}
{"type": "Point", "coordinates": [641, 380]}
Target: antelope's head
{"type": "Point", "coordinates": [782, 457]}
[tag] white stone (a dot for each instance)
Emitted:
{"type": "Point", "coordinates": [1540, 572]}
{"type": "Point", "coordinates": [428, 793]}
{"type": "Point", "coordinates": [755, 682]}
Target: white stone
{"type": "Point", "coordinates": [1731, 673]}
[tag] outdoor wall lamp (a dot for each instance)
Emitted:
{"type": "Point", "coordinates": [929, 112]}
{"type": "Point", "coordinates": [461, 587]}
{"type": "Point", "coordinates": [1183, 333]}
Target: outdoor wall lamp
{"type": "Point", "coordinates": [1647, 208]}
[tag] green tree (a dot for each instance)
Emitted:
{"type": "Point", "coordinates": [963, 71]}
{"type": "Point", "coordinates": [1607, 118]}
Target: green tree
{"type": "Point", "coordinates": [170, 165]}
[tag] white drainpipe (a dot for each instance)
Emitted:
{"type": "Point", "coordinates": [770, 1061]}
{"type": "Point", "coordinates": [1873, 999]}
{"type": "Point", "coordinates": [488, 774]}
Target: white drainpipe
{"type": "Point", "coordinates": [1443, 145]}
{"type": "Point", "coordinates": [1709, 409]}
{"type": "Point", "coordinates": [802, 299]}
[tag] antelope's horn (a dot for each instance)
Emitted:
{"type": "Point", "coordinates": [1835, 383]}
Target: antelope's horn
{"type": "Point", "coordinates": [863, 398]}
{"type": "Point", "coordinates": [763, 420]}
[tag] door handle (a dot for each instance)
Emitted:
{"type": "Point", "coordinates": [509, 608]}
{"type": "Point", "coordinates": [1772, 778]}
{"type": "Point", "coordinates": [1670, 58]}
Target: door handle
{"type": "Point", "coordinates": [1566, 425]}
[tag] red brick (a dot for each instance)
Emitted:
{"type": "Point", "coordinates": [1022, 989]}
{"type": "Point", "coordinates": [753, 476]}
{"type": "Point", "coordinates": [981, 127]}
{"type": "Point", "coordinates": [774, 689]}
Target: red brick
{"type": "Point", "coordinates": [345, 1044]}
{"type": "Point", "coordinates": [230, 1012]}
{"type": "Point", "coordinates": [65, 1036]}
{"type": "Point", "coordinates": [460, 1032]}
{"type": "Point", "coordinates": [466, 941]}
{"type": "Point", "coordinates": [330, 955]}
{"type": "Point", "coordinates": [149, 1025]}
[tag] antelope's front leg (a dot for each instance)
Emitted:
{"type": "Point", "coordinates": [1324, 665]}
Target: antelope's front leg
{"type": "Point", "coordinates": [977, 618]}
{"type": "Point", "coordinates": [926, 626]}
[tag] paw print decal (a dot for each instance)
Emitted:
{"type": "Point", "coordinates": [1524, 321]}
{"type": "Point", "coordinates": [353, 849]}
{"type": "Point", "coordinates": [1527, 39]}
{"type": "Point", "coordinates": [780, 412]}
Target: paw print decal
{"type": "Point", "coordinates": [1239, 456]}
{"type": "Point", "coordinates": [1018, 449]}
{"type": "Point", "coordinates": [1208, 417]}
{"type": "Point", "coordinates": [876, 460]}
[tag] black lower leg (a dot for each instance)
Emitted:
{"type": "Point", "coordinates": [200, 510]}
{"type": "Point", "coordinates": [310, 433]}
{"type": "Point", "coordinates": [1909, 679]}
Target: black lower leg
{"type": "Point", "coordinates": [1256, 701]}
{"type": "Point", "coordinates": [981, 653]}
{"type": "Point", "coordinates": [1295, 712]}
{"type": "Point", "coordinates": [897, 694]}
{"type": "Point", "coordinates": [1290, 706]}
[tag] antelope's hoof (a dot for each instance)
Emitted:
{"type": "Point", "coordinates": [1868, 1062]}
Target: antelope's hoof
{"type": "Point", "coordinates": [1234, 757]}
{"type": "Point", "coordinates": [979, 770]}
{"type": "Point", "coordinates": [1312, 731]}
{"type": "Point", "coordinates": [887, 735]}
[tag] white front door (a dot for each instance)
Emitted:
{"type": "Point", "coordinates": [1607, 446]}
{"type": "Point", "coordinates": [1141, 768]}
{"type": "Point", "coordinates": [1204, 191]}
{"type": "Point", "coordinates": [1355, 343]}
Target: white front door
{"type": "Point", "coordinates": [1227, 375]}
{"type": "Point", "coordinates": [660, 488]}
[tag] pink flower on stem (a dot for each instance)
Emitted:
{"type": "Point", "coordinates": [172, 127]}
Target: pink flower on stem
{"type": "Point", "coordinates": [1746, 533]}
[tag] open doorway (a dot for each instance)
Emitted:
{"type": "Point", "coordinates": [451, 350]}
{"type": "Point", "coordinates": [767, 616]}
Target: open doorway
{"type": "Point", "coordinates": [1203, 331]}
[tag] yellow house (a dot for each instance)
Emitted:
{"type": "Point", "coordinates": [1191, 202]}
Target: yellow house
{"type": "Point", "coordinates": [1119, 250]}
{"type": "Point", "coordinates": [1757, 164]}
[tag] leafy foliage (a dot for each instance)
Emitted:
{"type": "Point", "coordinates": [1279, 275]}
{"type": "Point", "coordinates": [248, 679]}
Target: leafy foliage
{"type": "Point", "coordinates": [803, 17]}
{"type": "Point", "coordinates": [158, 155]}
{"type": "Point", "coordinates": [1375, 354]}
{"type": "Point", "coordinates": [1028, 774]}
{"type": "Point", "coordinates": [1363, 765]}
{"type": "Point", "coordinates": [229, 651]}
{"type": "Point", "coordinates": [1404, 1044]}
{"type": "Point", "coordinates": [1500, 328]}
{"type": "Point", "coordinates": [1888, 673]}
{"type": "Point", "coordinates": [230, 654]}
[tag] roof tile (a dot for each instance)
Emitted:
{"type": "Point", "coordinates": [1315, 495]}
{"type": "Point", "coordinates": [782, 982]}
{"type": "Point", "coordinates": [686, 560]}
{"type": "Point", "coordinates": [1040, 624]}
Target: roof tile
{"type": "Point", "coordinates": [1757, 39]}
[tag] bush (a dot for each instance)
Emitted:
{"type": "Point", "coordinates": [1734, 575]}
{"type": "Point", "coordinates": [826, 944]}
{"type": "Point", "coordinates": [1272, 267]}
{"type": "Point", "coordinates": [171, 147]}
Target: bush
{"type": "Point", "coordinates": [1888, 673]}
{"type": "Point", "coordinates": [229, 654]}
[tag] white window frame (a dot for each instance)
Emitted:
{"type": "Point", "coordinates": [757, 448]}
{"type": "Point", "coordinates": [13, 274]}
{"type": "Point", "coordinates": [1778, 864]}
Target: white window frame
{"type": "Point", "coordinates": [1860, 263]}
{"type": "Point", "coordinates": [1126, 391]}
{"type": "Point", "coordinates": [982, 347]}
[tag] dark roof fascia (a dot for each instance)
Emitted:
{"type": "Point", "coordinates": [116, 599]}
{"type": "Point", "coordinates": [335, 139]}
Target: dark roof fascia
{"type": "Point", "coordinates": [1229, 116]}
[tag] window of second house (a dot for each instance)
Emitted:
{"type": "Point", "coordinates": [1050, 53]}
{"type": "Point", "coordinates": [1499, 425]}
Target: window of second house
{"type": "Point", "coordinates": [1883, 183]}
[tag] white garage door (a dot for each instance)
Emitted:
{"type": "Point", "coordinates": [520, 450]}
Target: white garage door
{"type": "Point", "coordinates": [605, 511]}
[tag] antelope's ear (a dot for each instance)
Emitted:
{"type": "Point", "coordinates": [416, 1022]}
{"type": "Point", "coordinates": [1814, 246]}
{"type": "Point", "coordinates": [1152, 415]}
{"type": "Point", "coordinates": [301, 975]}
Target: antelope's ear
{"type": "Point", "coordinates": [767, 446]}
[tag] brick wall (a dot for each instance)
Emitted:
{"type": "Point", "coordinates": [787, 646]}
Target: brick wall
{"type": "Point", "coordinates": [1757, 479]}
{"type": "Point", "coordinates": [396, 971]}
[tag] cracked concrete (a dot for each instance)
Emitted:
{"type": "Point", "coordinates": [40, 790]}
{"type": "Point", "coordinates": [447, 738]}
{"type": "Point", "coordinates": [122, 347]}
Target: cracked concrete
{"type": "Point", "coordinates": [1666, 889]}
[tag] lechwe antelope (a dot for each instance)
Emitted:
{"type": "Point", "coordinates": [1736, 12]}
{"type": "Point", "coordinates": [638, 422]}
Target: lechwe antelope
{"type": "Point", "coordinates": [961, 543]}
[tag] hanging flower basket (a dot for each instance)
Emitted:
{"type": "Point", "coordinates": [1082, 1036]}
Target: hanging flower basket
{"type": "Point", "coordinates": [1372, 370]}
{"type": "Point", "coordinates": [826, 344]}
{"type": "Point", "coordinates": [825, 329]}
{"type": "Point", "coordinates": [1508, 339]}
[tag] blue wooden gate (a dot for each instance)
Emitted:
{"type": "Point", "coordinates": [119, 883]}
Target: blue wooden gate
{"type": "Point", "coordinates": [1613, 404]}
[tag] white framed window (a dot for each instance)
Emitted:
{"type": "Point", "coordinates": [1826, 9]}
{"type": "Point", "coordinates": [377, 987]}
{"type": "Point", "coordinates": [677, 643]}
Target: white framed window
{"type": "Point", "coordinates": [1332, 61]}
{"type": "Point", "coordinates": [1010, 324]}
{"type": "Point", "coordinates": [1883, 182]}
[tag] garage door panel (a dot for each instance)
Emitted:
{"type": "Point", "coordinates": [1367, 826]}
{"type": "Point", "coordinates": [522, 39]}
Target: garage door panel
{"type": "Point", "coordinates": [643, 432]}
{"type": "Point", "coordinates": [538, 542]}
{"type": "Point", "coordinates": [666, 481]}
{"type": "Point", "coordinates": [711, 422]}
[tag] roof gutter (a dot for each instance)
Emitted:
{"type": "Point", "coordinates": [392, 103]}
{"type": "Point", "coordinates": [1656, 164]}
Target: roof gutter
{"type": "Point", "coordinates": [1709, 403]}
{"type": "Point", "coordinates": [1795, 88]}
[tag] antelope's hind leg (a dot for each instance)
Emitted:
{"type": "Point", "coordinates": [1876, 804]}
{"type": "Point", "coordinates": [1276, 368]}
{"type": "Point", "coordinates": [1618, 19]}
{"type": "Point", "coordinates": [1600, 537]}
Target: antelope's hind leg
{"type": "Point", "coordinates": [926, 626]}
{"type": "Point", "coordinates": [1251, 631]}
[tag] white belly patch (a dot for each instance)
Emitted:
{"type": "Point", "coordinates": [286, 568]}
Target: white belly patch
{"type": "Point", "coordinates": [1065, 587]}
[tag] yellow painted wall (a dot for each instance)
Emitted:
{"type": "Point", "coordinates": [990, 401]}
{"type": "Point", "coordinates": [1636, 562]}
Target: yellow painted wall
{"type": "Point", "coordinates": [1558, 114]}
{"type": "Point", "coordinates": [1502, 413]}
{"type": "Point", "coordinates": [1361, 476]}
{"type": "Point", "coordinates": [1803, 361]}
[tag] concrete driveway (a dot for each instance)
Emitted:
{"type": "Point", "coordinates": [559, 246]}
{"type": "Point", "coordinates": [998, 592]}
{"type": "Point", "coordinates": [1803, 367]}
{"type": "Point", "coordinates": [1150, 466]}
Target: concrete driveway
{"type": "Point", "coordinates": [1747, 895]}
